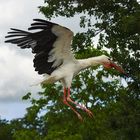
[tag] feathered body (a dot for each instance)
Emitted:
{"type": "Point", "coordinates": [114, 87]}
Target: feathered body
{"type": "Point", "coordinates": [51, 44]}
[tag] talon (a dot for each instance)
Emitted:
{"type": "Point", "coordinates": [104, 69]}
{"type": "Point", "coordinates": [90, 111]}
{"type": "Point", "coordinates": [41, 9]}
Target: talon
{"type": "Point", "coordinates": [90, 113]}
{"type": "Point", "coordinates": [80, 117]}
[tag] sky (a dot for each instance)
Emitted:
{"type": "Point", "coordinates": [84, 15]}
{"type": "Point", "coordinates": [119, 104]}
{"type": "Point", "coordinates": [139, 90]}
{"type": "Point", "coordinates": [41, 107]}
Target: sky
{"type": "Point", "coordinates": [16, 67]}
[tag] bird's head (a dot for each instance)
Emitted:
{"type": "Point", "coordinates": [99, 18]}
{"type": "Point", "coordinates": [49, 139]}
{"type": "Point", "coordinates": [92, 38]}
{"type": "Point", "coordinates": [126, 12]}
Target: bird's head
{"type": "Point", "coordinates": [107, 63]}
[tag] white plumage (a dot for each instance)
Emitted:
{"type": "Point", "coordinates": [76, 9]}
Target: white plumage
{"type": "Point", "coordinates": [53, 56]}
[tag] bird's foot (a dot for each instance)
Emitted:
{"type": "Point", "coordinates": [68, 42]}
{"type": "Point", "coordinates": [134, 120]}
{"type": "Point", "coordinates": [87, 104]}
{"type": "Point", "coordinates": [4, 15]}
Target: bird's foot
{"type": "Point", "coordinates": [89, 112]}
{"type": "Point", "coordinates": [81, 107]}
{"type": "Point", "coordinates": [86, 110]}
{"type": "Point", "coordinates": [80, 117]}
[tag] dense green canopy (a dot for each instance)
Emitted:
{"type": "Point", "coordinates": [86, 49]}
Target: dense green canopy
{"type": "Point", "coordinates": [113, 98]}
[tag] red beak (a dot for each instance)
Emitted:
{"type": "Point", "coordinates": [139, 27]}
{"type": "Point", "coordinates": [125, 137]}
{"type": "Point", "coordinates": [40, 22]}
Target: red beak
{"type": "Point", "coordinates": [113, 65]}
{"type": "Point", "coordinates": [118, 68]}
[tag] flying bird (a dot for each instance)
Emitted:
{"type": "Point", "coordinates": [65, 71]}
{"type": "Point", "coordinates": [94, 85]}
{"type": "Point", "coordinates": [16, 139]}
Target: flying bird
{"type": "Point", "coordinates": [51, 44]}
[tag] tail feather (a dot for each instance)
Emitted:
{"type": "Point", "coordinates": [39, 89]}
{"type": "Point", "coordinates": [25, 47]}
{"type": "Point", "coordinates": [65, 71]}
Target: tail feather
{"type": "Point", "coordinates": [47, 80]}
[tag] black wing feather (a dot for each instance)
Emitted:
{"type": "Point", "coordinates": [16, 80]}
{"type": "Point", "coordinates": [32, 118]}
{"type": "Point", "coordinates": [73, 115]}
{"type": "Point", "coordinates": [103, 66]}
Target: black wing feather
{"type": "Point", "coordinates": [41, 43]}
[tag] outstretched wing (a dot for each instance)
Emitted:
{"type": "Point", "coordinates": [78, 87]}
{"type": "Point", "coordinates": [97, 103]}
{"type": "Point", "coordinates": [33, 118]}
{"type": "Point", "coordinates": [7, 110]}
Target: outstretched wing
{"type": "Point", "coordinates": [50, 43]}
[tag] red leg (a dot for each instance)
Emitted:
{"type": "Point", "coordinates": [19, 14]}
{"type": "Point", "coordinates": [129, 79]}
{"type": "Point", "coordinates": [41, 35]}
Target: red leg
{"type": "Point", "coordinates": [82, 107]}
{"type": "Point", "coordinates": [65, 102]}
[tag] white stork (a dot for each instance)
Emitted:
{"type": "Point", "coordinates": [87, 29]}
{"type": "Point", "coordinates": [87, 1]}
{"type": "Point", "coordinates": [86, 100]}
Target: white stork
{"type": "Point", "coordinates": [51, 44]}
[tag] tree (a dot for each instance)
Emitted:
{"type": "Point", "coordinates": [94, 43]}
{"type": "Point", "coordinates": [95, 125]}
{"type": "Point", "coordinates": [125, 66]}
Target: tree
{"type": "Point", "coordinates": [5, 130]}
{"type": "Point", "coordinates": [116, 107]}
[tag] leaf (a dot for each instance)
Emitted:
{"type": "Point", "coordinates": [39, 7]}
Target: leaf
{"type": "Point", "coordinates": [27, 96]}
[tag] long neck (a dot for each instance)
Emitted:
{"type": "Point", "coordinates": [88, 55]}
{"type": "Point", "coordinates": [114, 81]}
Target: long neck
{"type": "Point", "coordinates": [94, 61]}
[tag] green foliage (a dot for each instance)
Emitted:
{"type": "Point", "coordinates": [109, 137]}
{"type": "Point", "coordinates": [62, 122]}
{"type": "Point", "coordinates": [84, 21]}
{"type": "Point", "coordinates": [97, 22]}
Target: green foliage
{"type": "Point", "coordinates": [26, 135]}
{"type": "Point", "coordinates": [27, 96]}
{"type": "Point", "coordinates": [116, 107]}
{"type": "Point", "coordinates": [5, 130]}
